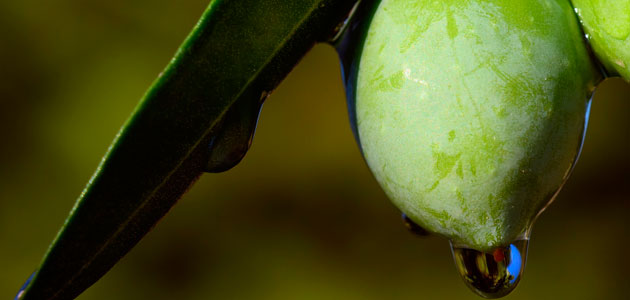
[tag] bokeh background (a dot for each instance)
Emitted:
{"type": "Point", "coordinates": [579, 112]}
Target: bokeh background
{"type": "Point", "coordinates": [300, 218]}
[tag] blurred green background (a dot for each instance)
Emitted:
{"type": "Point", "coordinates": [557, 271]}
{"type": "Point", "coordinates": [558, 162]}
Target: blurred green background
{"type": "Point", "coordinates": [300, 218]}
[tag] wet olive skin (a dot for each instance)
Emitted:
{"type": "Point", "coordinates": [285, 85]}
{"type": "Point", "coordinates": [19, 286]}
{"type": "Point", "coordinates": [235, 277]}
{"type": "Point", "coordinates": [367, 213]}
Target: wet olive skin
{"type": "Point", "coordinates": [470, 114]}
{"type": "Point", "coordinates": [607, 26]}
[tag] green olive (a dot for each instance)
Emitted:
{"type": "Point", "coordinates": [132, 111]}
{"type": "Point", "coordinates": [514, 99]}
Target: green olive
{"type": "Point", "coordinates": [607, 27]}
{"type": "Point", "coordinates": [471, 114]}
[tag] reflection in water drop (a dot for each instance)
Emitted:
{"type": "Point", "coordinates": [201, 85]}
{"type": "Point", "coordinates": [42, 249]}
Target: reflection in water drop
{"type": "Point", "coordinates": [20, 293]}
{"type": "Point", "coordinates": [492, 275]}
{"type": "Point", "coordinates": [341, 28]}
{"type": "Point", "coordinates": [234, 136]}
{"type": "Point", "coordinates": [413, 227]}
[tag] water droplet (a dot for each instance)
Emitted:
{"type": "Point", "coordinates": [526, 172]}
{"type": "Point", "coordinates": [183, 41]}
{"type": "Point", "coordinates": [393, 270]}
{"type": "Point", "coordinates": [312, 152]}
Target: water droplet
{"type": "Point", "coordinates": [20, 293]}
{"type": "Point", "coordinates": [234, 136]}
{"type": "Point", "coordinates": [413, 227]}
{"type": "Point", "coordinates": [340, 29]}
{"type": "Point", "coordinates": [495, 274]}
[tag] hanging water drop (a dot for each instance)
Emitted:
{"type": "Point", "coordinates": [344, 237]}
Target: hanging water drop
{"type": "Point", "coordinates": [234, 136]}
{"type": "Point", "coordinates": [495, 274]}
{"type": "Point", "coordinates": [413, 227]}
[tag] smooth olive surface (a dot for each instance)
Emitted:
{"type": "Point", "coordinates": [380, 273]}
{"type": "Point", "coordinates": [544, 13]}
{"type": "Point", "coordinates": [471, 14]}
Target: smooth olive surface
{"type": "Point", "coordinates": [471, 114]}
{"type": "Point", "coordinates": [607, 27]}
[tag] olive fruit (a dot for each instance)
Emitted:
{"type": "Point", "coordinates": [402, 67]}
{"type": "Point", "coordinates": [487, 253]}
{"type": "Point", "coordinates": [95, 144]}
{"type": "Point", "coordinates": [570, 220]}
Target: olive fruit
{"type": "Point", "coordinates": [470, 114]}
{"type": "Point", "coordinates": [607, 27]}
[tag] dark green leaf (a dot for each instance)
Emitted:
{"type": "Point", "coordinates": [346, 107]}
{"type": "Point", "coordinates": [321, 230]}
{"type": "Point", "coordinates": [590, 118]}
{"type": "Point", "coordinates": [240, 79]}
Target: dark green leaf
{"type": "Point", "coordinates": [208, 95]}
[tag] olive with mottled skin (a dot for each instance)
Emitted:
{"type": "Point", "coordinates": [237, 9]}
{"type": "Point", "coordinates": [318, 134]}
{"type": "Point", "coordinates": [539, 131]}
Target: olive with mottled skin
{"type": "Point", "coordinates": [470, 114]}
{"type": "Point", "coordinates": [607, 27]}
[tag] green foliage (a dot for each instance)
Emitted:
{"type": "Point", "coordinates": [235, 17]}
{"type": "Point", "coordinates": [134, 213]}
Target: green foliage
{"type": "Point", "coordinates": [169, 163]}
{"type": "Point", "coordinates": [238, 52]}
